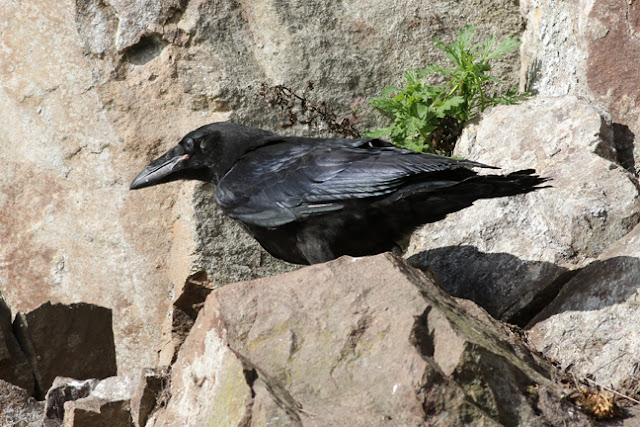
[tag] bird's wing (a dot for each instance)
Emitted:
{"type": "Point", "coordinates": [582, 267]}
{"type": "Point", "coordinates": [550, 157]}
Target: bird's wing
{"type": "Point", "coordinates": [289, 180]}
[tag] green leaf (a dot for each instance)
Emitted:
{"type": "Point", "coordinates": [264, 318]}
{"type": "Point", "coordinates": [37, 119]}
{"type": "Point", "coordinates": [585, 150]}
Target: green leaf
{"type": "Point", "coordinates": [390, 90]}
{"type": "Point", "coordinates": [377, 133]}
{"type": "Point", "coordinates": [508, 45]}
{"type": "Point", "coordinates": [412, 77]}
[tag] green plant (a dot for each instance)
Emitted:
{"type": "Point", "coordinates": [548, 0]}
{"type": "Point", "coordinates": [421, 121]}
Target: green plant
{"type": "Point", "coordinates": [430, 117]}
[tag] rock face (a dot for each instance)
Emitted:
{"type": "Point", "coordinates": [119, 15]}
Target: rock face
{"type": "Point", "coordinates": [357, 341]}
{"type": "Point", "coordinates": [590, 326]}
{"type": "Point", "coordinates": [92, 90]}
{"type": "Point", "coordinates": [72, 341]}
{"type": "Point", "coordinates": [511, 255]}
{"type": "Point", "coordinates": [586, 48]}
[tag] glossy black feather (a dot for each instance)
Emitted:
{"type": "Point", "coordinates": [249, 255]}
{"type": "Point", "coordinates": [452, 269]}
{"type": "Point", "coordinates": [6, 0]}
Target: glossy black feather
{"type": "Point", "coordinates": [311, 200]}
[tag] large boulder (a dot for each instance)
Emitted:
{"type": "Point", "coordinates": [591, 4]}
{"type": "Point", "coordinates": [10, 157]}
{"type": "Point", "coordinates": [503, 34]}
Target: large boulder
{"type": "Point", "coordinates": [512, 255]}
{"type": "Point", "coordinates": [590, 328]}
{"type": "Point", "coordinates": [356, 341]}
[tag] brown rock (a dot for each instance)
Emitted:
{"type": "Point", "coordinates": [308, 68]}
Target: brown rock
{"type": "Point", "coordinates": [150, 393]}
{"type": "Point", "coordinates": [108, 405]}
{"type": "Point", "coordinates": [67, 340]}
{"type": "Point", "coordinates": [185, 310]}
{"type": "Point", "coordinates": [357, 341]}
{"type": "Point", "coordinates": [97, 413]}
{"type": "Point", "coordinates": [114, 401]}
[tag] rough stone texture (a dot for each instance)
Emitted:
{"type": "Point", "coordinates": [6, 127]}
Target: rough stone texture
{"type": "Point", "coordinates": [185, 310]}
{"type": "Point", "coordinates": [108, 405]}
{"type": "Point", "coordinates": [151, 391]}
{"type": "Point", "coordinates": [67, 340]}
{"type": "Point", "coordinates": [92, 90]}
{"type": "Point", "coordinates": [18, 408]}
{"type": "Point", "coordinates": [66, 389]}
{"type": "Point", "coordinates": [587, 48]}
{"type": "Point", "coordinates": [208, 386]}
{"type": "Point", "coordinates": [357, 341]}
{"type": "Point", "coordinates": [67, 231]}
{"type": "Point", "coordinates": [115, 401]}
{"type": "Point", "coordinates": [553, 59]}
{"type": "Point", "coordinates": [590, 328]}
{"type": "Point", "coordinates": [14, 366]}
{"type": "Point", "coordinates": [511, 255]}
{"type": "Point", "coordinates": [97, 413]}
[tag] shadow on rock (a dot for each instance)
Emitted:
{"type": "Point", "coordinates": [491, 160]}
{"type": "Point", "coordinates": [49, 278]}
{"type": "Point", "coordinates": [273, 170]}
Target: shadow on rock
{"type": "Point", "coordinates": [590, 328]}
{"type": "Point", "coordinates": [624, 139]}
{"type": "Point", "coordinates": [509, 288]}
{"type": "Point", "coordinates": [599, 285]}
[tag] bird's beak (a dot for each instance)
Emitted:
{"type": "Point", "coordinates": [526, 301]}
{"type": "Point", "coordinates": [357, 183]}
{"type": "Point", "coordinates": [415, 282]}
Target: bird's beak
{"type": "Point", "coordinates": [161, 169]}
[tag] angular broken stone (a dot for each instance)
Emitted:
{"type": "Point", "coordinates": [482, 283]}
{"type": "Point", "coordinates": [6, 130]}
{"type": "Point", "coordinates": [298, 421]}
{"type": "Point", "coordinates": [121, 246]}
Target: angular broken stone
{"type": "Point", "coordinates": [114, 401]}
{"type": "Point", "coordinates": [14, 366]}
{"type": "Point", "coordinates": [591, 327]}
{"type": "Point", "coordinates": [93, 412]}
{"type": "Point", "coordinates": [185, 310]}
{"type": "Point", "coordinates": [108, 405]}
{"type": "Point", "coordinates": [73, 340]}
{"type": "Point", "coordinates": [63, 390]}
{"type": "Point", "coordinates": [356, 341]}
{"type": "Point", "coordinates": [149, 393]}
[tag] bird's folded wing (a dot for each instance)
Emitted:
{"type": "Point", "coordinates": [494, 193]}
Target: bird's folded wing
{"type": "Point", "coordinates": [285, 182]}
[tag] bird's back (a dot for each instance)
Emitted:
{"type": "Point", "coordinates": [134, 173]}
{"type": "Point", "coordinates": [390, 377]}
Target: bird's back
{"type": "Point", "coordinates": [309, 200]}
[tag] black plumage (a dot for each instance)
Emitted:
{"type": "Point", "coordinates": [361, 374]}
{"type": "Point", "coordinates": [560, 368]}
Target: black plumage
{"type": "Point", "coordinates": [312, 200]}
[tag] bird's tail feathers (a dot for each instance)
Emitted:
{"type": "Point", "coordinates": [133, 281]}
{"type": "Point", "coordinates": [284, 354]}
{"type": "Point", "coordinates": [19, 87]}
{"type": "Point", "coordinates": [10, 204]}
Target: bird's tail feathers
{"type": "Point", "coordinates": [519, 182]}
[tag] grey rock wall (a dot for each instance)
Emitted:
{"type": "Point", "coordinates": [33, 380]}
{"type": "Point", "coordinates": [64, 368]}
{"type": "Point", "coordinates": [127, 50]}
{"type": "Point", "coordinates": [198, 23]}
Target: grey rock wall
{"type": "Point", "coordinates": [587, 48]}
{"type": "Point", "coordinates": [90, 91]}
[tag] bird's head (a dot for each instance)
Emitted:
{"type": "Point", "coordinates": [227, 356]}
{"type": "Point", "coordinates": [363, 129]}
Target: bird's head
{"type": "Point", "coordinates": [205, 154]}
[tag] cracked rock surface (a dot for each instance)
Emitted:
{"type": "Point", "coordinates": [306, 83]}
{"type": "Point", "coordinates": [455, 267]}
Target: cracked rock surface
{"type": "Point", "coordinates": [357, 341]}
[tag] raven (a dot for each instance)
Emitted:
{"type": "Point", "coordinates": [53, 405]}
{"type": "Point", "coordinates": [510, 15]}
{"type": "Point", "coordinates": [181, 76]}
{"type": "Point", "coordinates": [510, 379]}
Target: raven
{"type": "Point", "coordinates": [308, 200]}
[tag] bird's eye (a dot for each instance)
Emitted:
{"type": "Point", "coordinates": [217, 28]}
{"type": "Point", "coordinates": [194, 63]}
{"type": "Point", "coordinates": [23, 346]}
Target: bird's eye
{"type": "Point", "coordinates": [189, 145]}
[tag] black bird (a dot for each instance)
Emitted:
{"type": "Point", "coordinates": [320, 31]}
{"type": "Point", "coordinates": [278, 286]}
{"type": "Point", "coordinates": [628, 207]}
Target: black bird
{"type": "Point", "coordinates": [312, 200]}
